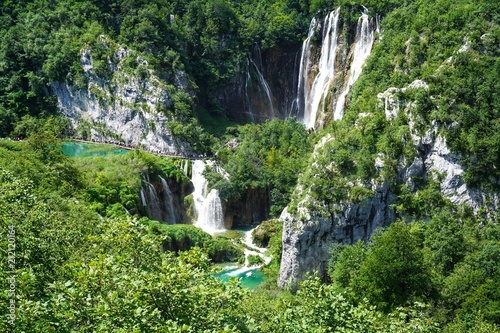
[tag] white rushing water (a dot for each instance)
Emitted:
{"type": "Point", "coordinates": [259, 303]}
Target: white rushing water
{"type": "Point", "coordinates": [314, 97]}
{"type": "Point", "coordinates": [143, 197]}
{"type": "Point", "coordinates": [152, 201]}
{"type": "Point", "coordinates": [168, 202]}
{"type": "Point", "coordinates": [252, 249]}
{"type": "Point", "coordinates": [208, 207]}
{"type": "Point", "coordinates": [362, 49]}
{"type": "Point", "coordinates": [211, 218]}
{"type": "Point", "coordinates": [305, 56]}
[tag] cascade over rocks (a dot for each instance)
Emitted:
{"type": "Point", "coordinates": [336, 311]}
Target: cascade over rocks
{"type": "Point", "coordinates": [127, 104]}
{"type": "Point", "coordinates": [310, 82]}
{"type": "Point", "coordinates": [208, 206]}
{"type": "Point", "coordinates": [327, 74]}
{"type": "Point", "coordinates": [164, 199]}
{"type": "Point", "coordinates": [308, 235]}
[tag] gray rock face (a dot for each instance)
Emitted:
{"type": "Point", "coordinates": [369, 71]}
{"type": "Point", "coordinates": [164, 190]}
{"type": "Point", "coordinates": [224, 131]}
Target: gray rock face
{"type": "Point", "coordinates": [128, 104]}
{"type": "Point", "coordinates": [306, 243]}
{"type": "Point", "coordinates": [307, 238]}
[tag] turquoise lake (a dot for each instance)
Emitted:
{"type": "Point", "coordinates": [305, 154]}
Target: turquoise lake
{"type": "Point", "coordinates": [250, 277]}
{"type": "Point", "coordinates": [81, 149]}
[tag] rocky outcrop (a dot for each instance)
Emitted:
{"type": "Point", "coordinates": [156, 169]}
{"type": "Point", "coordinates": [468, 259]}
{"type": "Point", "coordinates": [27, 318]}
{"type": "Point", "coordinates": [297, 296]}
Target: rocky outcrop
{"type": "Point", "coordinates": [126, 104]}
{"type": "Point", "coordinates": [308, 235]}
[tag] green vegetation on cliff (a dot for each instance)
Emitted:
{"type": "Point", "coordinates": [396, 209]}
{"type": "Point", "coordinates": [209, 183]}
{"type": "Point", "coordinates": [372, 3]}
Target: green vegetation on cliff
{"type": "Point", "coordinates": [41, 43]}
{"type": "Point", "coordinates": [85, 262]}
{"type": "Point", "coordinates": [269, 156]}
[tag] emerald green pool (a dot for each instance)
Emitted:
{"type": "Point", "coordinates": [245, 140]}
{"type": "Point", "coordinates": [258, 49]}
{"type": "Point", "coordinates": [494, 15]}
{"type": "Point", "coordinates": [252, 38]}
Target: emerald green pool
{"type": "Point", "coordinates": [250, 277]}
{"type": "Point", "coordinates": [81, 149]}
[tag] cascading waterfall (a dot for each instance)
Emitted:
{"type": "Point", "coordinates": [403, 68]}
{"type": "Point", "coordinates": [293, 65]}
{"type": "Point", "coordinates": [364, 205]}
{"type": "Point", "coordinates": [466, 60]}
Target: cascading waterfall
{"type": "Point", "coordinates": [258, 95]}
{"type": "Point", "coordinates": [152, 202]}
{"type": "Point", "coordinates": [314, 97]}
{"type": "Point", "coordinates": [212, 218]}
{"type": "Point", "coordinates": [143, 197]}
{"type": "Point", "coordinates": [362, 49]}
{"type": "Point", "coordinates": [248, 84]}
{"type": "Point", "coordinates": [303, 86]}
{"type": "Point", "coordinates": [160, 204]}
{"type": "Point", "coordinates": [208, 207]}
{"type": "Point", "coordinates": [168, 202]}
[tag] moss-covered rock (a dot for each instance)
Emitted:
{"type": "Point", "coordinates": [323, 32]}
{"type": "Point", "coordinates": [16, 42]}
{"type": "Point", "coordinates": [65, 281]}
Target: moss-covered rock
{"type": "Point", "coordinates": [265, 231]}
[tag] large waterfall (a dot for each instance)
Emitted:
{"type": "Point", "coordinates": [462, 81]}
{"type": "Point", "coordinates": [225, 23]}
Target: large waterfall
{"type": "Point", "coordinates": [314, 96]}
{"type": "Point", "coordinates": [303, 86]}
{"type": "Point", "coordinates": [362, 49]}
{"type": "Point", "coordinates": [208, 207]}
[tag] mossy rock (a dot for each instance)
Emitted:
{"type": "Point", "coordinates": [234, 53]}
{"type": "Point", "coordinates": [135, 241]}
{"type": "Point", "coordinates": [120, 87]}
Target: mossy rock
{"type": "Point", "coordinates": [265, 231]}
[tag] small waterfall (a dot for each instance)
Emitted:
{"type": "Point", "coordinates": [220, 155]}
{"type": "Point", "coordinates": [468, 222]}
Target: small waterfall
{"type": "Point", "coordinates": [143, 198]}
{"type": "Point", "coordinates": [168, 203]}
{"type": "Point", "coordinates": [208, 207]}
{"type": "Point", "coordinates": [263, 84]}
{"type": "Point", "coordinates": [248, 85]}
{"type": "Point", "coordinates": [258, 95]}
{"type": "Point", "coordinates": [362, 49]}
{"type": "Point", "coordinates": [326, 70]}
{"type": "Point", "coordinates": [152, 201]}
{"type": "Point", "coordinates": [252, 249]}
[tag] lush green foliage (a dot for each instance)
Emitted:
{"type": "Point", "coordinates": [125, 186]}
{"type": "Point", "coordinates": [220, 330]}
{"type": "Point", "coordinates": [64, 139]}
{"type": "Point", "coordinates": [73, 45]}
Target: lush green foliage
{"type": "Point", "coordinates": [181, 237]}
{"type": "Point", "coordinates": [447, 44]}
{"type": "Point", "coordinates": [41, 43]}
{"type": "Point", "coordinates": [263, 234]}
{"type": "Point", "coordinates": [268, 155]}
{"type": "Point", "coordinates": [448, 263]}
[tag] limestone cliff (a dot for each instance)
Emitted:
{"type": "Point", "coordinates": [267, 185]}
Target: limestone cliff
{"type": "Point", "coordinates": [309, 233]}
{"type": "Point", "coordinates": [126, 103]}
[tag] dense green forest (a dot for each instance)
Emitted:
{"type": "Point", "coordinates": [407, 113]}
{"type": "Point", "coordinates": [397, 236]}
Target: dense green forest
{"type": "Point", "coordinates": [84, 263]}
{"type": "Point", "coordinates": [79, 255]}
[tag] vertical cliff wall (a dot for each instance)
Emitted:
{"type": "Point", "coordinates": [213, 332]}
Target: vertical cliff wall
{"type": "Point", "coordinates": [316, 224]}
{"type": "Point", "coordinates": [123, 103]}
{"type": "Point", "coordinates": [309, 81]}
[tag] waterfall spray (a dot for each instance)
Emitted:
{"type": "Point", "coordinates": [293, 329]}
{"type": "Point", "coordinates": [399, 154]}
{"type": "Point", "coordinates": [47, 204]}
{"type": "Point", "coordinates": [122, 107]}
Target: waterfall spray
{"type": "Point", "coordinates": [208, 207]}
{"type": "Point", "coordinates": [314, 97]}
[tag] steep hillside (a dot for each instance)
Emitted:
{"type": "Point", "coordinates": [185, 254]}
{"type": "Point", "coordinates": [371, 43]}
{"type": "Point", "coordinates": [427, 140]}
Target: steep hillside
{"type": "Point", "coordinates": [363, 137]}
{"type": "Point", "coordinates": [420, 135]}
